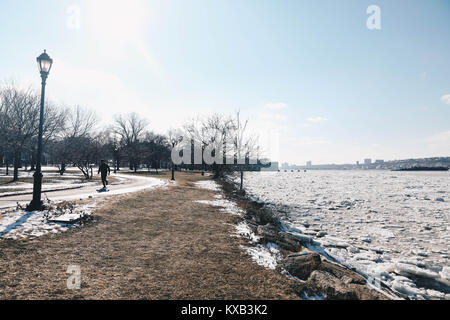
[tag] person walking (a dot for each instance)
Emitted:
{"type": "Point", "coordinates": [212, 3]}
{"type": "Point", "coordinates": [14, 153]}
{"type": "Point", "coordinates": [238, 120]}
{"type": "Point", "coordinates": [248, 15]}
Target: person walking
{"type": "Point", "coordinates": [104, 169]}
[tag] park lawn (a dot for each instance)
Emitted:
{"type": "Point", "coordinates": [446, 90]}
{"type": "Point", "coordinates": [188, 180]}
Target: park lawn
{"type": "Point", "coordinates": [157, 244]}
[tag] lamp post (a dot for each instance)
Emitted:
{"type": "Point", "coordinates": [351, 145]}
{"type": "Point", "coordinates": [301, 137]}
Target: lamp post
{"type": "Point", "coordinates": [44, 64]}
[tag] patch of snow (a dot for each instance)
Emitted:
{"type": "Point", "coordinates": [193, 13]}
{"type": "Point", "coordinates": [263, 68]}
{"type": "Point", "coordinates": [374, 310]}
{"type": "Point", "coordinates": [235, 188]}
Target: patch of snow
{"type": "Point", "coordinates": [208, 185]}
{"type": "Point", "coordinates": [225, 205]}
{"type": "Point", "coordinates": [20, 224]}
{"type": "Point", "coordinates": [266, 256]}
{"type": "Point", "coordinates": [244, 231]}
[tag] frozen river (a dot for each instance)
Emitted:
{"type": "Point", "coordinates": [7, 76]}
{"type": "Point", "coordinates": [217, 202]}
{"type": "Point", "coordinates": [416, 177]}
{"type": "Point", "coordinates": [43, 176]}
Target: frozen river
{"type": "Point", "coordinates": [391, 226]}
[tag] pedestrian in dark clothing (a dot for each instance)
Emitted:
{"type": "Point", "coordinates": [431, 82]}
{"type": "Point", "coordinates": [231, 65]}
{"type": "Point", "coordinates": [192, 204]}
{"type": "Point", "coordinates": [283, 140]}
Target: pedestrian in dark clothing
{"type": "Point", "coordinates": [104, 170]}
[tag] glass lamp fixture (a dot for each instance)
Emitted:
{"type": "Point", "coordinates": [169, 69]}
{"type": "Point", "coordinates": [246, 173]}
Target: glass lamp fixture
{"type": "Point", "coordinates": [44, 63]}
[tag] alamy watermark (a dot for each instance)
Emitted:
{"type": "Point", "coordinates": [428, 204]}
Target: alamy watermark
{"type": "Point", "coordinates": [374, 19]}
{"type": "Point", "coordinates": [222, 151]}
{"type": "Point", "coordinates": [74, 280]}
{"type": "Point", "coordinates": [73, 21]}
{"type": "Point", "coordinates": [189, 152]}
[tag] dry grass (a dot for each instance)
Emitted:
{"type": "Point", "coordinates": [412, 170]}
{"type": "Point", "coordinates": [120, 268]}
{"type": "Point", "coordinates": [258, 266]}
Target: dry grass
{"type": "Point", "coordinates": [152, 245]}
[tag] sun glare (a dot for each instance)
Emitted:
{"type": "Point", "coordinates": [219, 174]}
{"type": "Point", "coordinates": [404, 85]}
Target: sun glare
{"type": "Point", "coordinates": [117, 24]}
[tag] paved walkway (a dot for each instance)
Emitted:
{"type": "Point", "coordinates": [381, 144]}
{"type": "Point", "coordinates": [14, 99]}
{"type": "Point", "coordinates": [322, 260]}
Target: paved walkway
{"type": "Point", "coordinates": [125, 184]}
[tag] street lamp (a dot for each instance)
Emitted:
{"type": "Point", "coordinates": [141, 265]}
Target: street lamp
{"type": "Point", "coordinates": [44, 64]}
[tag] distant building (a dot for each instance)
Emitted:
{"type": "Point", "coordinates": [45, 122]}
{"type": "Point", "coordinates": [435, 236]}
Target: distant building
{"type": "Point", "coordinates": [309, 164]}
{"type": "Point", "coordinates": [274, 166]}
{"type": "Point", "coordinates": [285, 165]}
{"type": "Point", "coordinates": [367, 161]}
{"type": "Point", "coordinates": [357, 163]}
{"type": "Point", "coordinates": [379, 161]}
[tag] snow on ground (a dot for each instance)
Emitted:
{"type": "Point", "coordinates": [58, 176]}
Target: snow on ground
{"type": "Point", "coordinates": [225, 205]}
{"type": "Point", "coordinates": [266, 256]}
{"type": "Point", "coordinates": [136, 184]}
{"type": "Point", "coordinates": [243, 230]}
{"type": "Point", "coordinates": [208, 185]}
{"type": "Point", "coordinates": [392, 226]}
{"type": "Point", "coordinates": [19, 224]}
{"type": "Point", "coordinates": [24, 187]}
{"type": "Point", "coordinates": [47, 171]}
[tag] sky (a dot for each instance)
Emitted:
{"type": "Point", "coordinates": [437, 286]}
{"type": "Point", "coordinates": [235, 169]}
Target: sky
{"type": "Point", "coordinates": [317, 80]}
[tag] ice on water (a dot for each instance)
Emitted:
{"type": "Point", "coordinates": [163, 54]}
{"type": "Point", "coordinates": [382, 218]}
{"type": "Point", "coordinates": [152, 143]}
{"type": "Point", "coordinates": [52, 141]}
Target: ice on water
{"type": "Point", "coordinates": [392, 226]}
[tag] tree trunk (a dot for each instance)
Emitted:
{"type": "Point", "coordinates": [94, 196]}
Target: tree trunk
{"type": "Point", "coordinates": [16, 165]}
{"type": "Point", "coordinates": [33, 161]}
{"type": "Point", "coordinates": [173, 172]}
{"type": "Point", "coordinates": [63, 169]}
{"type": "Point", "coordinates": [7, 166]}
{"type": "Point", "coordinates": [242, 180]}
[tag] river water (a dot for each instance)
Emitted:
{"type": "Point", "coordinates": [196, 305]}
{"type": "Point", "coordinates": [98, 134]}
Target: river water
{"type": "Point", "coordinates": [391, 226]}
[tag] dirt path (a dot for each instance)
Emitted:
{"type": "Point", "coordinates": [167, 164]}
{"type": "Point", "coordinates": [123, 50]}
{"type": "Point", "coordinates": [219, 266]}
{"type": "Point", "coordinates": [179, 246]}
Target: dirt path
{"type": "Point", "coordinates": [151, 245]}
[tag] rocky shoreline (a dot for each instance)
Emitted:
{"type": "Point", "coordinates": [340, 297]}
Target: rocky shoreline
{"type": "Point", "coordinates": [315, 275]}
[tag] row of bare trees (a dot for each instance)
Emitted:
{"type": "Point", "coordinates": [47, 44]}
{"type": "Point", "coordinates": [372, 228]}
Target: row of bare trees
{"type": "Point", "coordinates": [19, 120]}
{"type": "Point", "coordinates": [73, 137]}
{"type": "Point", "coordinates": [126, 142]}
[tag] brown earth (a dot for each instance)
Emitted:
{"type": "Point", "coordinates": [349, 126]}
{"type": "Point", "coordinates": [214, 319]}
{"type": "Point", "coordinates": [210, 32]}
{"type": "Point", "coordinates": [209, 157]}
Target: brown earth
{"type": "Point", "coordinates": [156, 244]}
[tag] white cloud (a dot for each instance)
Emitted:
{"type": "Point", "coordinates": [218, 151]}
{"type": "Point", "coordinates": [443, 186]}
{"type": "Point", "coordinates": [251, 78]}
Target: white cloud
{"type": "Point", "coordinates": [317, 119]}
{"type": "Point", "coordinates": [446, 99]}
{"type": "Point", "coordinates": [276, 105]}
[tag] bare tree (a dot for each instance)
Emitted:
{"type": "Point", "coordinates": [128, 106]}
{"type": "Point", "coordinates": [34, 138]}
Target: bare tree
{"type": "Point", "coordinates": [244, 145]}
{"type": "Point", "coordinates": [4, 132]}
{"type": "Point", "coordinates": [155, 150]}
{"type": "Point", "coordinates": [174, 137]}
{"type": "Point", "coordinates": [113, 147]}
{"type": "Point", "coordinates": [131, 129]}
{"type": "Point", "coordinates": [54, 124]}
{"type": "Point", "coordinates": [20, 115]}
{"type": "Point", "coordinates": [87, 152]}
{"type": "Point", "coordinates": [80, 124]}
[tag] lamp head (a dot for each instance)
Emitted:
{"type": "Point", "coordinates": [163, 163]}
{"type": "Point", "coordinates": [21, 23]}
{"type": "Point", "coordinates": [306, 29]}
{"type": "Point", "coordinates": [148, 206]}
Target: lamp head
{"type": "Point", "coordinates": [44, 63]}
